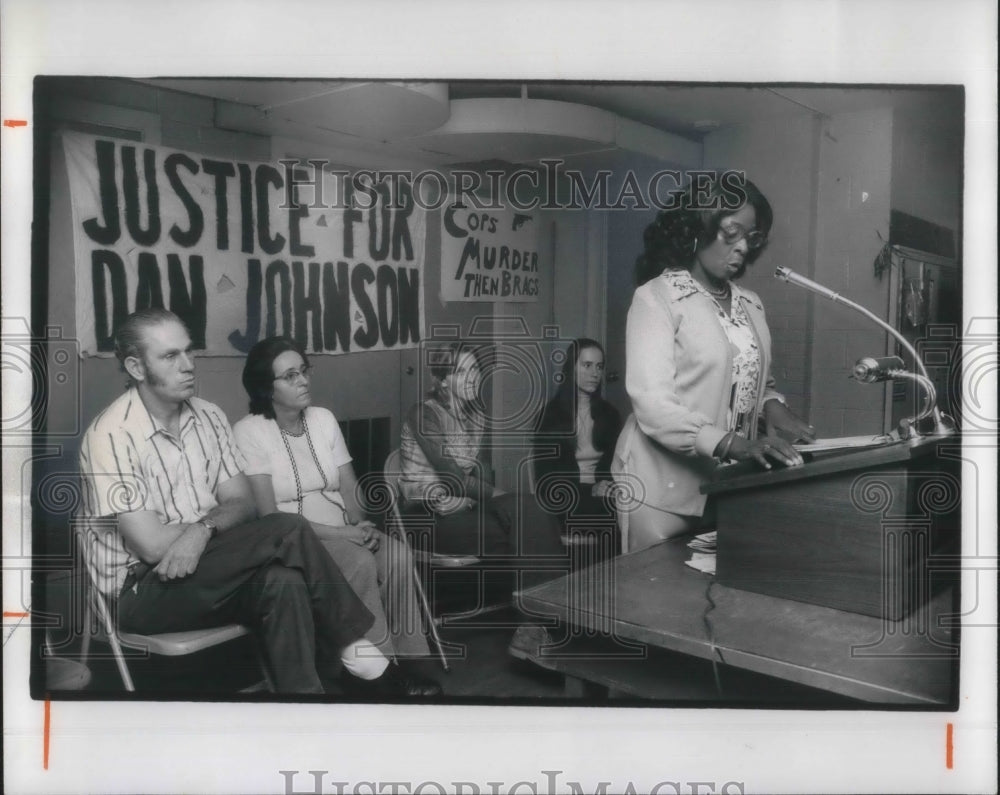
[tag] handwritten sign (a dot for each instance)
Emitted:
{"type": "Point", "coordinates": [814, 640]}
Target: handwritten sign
{"type": "Point", "coordinates": [488, 255]}
{"type": "Point", "coordinates": [241, 250]}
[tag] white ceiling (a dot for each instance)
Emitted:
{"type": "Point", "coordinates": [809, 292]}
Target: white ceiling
{"type": "Point", "coordinates": [473, 121]}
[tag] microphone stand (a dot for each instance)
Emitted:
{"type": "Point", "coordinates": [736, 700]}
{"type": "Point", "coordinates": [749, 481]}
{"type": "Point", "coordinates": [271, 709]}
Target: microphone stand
{"type": "Point", "coordinates": [943, 425]}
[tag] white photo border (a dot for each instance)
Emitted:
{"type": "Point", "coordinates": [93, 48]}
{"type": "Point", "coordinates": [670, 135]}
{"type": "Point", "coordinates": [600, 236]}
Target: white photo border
{"type": "Point", "coordinates": [206, 747]}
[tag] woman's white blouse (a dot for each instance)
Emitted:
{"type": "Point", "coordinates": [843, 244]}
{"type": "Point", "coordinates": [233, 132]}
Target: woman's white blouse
{"type": "Point", "coordinates": [260, 440]}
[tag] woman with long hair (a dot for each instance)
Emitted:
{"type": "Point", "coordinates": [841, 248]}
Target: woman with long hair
{"type": "Point", "coordinates": [447, 474]}
{"type": "Point", "coordinates": [575, 442]}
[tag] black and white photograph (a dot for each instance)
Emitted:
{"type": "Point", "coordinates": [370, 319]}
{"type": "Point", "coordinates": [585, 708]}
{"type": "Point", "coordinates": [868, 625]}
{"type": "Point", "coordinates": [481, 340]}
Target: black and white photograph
{"type": "Point", "coordinates": [426, 428]}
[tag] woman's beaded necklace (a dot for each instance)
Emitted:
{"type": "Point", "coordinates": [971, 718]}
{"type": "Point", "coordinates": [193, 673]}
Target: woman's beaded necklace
{"type": "Point", "coordinates": [295, 469]}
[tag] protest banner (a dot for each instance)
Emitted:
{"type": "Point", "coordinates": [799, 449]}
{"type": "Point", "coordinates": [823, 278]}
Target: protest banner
{"type": "Point", "coordinates": [488, 255]}
{"type": "Point", "coordinates": [242, 250]}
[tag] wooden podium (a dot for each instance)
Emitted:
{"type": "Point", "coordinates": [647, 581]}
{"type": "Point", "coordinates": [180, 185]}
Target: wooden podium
{"type": "Point", "coordinates": [854, 530]}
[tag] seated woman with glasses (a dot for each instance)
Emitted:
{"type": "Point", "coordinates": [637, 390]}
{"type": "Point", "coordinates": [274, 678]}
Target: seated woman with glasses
{"type": "Point", "coordinates": [446, 472]}
{"type": "Point", "coordinates": [298, 462]}
{"type": "Point", "coordinates": [574, 444]}
{"type": "Point", "coordinates": [698, 364]}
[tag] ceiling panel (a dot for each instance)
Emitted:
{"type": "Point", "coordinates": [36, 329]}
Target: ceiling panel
{"type": "Point", "coordinates": [256, 93]}
{"type": "Point", "coordinates": [417, 117]}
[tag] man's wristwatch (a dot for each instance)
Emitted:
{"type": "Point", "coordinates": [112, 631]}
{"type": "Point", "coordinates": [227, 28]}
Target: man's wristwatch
{"type": "Point", "coordinates": [213, 528]}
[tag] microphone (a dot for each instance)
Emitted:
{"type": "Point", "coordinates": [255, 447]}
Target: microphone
{"type": "Point", "coordinates": [872, 369]}
{"type": "Point", "coordinates": [801, 281]}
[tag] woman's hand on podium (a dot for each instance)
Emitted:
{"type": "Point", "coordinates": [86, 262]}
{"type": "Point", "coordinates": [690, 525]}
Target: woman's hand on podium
{"type": "Point", "coordinates": [764, 450]}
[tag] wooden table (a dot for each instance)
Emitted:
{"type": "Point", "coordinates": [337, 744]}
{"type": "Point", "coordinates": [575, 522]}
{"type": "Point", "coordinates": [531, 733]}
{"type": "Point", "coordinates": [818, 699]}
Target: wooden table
{"type": "Point", "coordinates": [612, 624]}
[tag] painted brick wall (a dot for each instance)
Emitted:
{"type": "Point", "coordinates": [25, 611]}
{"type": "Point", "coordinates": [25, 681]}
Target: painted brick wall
{"type": "Point", "coordinates": [186, 122]}
{"type": "Point", "coordinates": [828, 182]}
{"type": "Point", "coordinates": [624, 230]}
{"type": "Point", "coordinates": [778, 156]}
{"type": "Point", "coordinates": [926, 161]}
{"type": "Point", "coordinates": [854, 196]}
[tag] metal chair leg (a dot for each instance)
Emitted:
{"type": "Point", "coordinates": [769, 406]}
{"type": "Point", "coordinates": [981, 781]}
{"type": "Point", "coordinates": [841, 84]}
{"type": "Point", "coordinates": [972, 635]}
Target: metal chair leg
{"type": "Point", "coordinates": [88, 626]}
{"type": "Point", "coordinates": [431, 623]}
{"type": "Point", "coordinates": [262, 662]}
{"type": "Point", "coordinates": [417, 582]}
{"type": "Point", "coordinates": [116, 648]}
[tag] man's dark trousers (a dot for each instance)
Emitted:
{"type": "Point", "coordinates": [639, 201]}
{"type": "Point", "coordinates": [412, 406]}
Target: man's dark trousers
{"type": "Point", "coordinates": [272, 575]}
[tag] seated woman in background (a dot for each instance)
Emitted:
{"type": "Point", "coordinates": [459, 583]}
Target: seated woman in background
{"type": "Point", "coordinates": [298, 462]}
{"type": "Point", "coordinates": [583, 427]}
{"type": "Point", "coordinates": [446, 471]}
{"type": "Point", "coordinates": [698, 365]}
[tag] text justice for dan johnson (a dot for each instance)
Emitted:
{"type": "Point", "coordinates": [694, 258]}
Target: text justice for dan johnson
{"type": "Point", "coordinates": [294, 289]}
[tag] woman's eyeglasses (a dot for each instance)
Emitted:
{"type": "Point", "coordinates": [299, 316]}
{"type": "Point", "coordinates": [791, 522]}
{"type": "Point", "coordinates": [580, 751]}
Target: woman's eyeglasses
{"type": "Point", "coordinates": [291, 376]}
{"type": "Point", "coordinates": [731, 234]}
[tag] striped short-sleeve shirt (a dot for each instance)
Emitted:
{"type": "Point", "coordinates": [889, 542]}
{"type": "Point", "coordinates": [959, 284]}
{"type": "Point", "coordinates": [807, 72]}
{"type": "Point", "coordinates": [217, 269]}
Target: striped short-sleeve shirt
{"type": "Point", "coordinates": [129, 462]}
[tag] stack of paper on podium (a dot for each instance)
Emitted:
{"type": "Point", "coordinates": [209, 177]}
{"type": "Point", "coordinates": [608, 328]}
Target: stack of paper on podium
{"type": "Point", "coordinates": [844, 443]}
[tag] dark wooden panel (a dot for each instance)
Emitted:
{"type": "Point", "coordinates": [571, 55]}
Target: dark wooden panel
{"type": "Point", "coordinates": [854, 532]}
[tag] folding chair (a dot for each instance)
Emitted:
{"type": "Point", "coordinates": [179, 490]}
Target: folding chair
{"type": "Point", "coordinates": [62, 673]}
{"type": "Point", "coordinates": [574, 536]}
{"type": "Point", "coordinates": [428, 560]}
{"type": "Point", "coordinates": [168, 644]}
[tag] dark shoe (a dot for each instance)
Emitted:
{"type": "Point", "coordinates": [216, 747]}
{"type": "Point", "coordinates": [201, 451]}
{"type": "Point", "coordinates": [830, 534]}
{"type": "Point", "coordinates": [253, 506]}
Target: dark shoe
{"type": "Point", "coordinates": [393, 683]}
{"type": "Point", "coordinates": [419, 667]}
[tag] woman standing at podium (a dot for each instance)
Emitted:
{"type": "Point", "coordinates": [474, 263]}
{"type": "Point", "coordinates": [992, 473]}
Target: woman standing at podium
{"type": "Point", "coordinates": [698, 355]}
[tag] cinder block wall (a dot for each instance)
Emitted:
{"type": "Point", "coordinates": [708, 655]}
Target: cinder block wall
{"type": "Point", "coordinates": [780, 157]}
{"type": "Point", "coordinates": [171, 119]}
{"type": "Point", "coordinates": [158, 116]}
{"type": "Point", "coordinates": [854, 199]}
{"type": "Point", "coordinates": [832, 181]}
{"type": "Point", "coordinates": [75, 393]}
{"type": "Point", "coordinates": [927, 150]}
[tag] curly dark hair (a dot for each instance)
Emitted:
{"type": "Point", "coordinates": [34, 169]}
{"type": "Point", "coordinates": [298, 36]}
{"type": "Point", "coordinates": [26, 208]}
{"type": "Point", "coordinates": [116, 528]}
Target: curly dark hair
{"type": "Point", "coordinates": [669, 243]}
{"type": "Point", "coordinates": [258, 372]}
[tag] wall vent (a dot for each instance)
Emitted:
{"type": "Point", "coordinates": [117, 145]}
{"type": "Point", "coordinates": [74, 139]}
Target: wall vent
{"type": "Point", "coordinates": [369, 442]}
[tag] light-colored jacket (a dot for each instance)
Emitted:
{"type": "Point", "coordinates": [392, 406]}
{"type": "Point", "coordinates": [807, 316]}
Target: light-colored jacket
{"type": "Point", "coordinates": [678, 374]}
{"type": "Point", "coordinates": [463, 448]}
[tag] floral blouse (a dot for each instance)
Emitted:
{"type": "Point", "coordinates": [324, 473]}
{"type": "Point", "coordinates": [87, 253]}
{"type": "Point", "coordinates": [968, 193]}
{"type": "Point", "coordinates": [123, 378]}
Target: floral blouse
{"type": "Point", "coordinates": [746, 362]}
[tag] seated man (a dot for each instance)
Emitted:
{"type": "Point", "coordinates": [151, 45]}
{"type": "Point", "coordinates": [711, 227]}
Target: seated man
{"type": "Point", "coordinates": [173, 533]}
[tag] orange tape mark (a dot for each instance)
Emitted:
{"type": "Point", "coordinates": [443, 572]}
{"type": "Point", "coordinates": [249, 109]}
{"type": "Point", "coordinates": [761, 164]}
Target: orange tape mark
{"type": "Point", "coordinates": [15, 123]}
{"type": "Point", "coordinates": [15, 615]}
{"type": "Point", "coordinates": [949, 747]}
{"type": "Point", "coordinates": [45, 738]}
